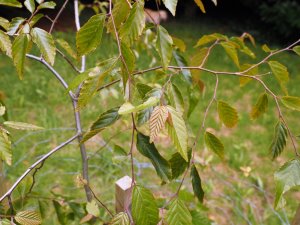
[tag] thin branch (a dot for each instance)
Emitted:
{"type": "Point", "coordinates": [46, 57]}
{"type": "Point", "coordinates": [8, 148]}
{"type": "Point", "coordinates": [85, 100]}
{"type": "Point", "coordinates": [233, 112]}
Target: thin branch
{"type": "Point", "coordinates": [33, 176]}
{"type": "Point", "coordinates": [68, 60]}
{"type": "Point", "coordinates": [34, 165]}
{"type": "Point", "coordinates": [57, 16]}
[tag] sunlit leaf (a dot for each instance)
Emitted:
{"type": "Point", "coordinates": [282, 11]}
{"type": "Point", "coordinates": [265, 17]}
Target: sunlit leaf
{"type": "Point", "coordinates": [287, 177]}
{"type": "Point", "coordinates": [206, 39]}
{"type": "Point", "coordinates": [66, 46]}
{"type": "Point", "coordinates": [260, 107]}
{"type": "Point", "coordinates": [90, 34]}
{"type": "Point", "coordinates": [47, 5]}
{"type": "Point", "coordinates": [12, 3]}
{"type": "Point", "coordinates": [164, 47]}
{"type": "Point", "coordinates": [5, 147]}
{"type": "Point", "coordinates": [200, 5]}
{"type": "Point", "coordinates": [144, 209]}
{"type": "Point", "coordinates": [281, 73]}
{"type": "Point", "coordinates": [157, 121]}
{"type": "Point", "coordinates": [35, 19]}
{"type": "Point", "coordinates": [28, 217]}
{"type": "Point", "coordinates": [178, 132]}
{"type": "Point", "coordinates": [92, 208]}
{"type": "Point", "coordinates": [179, 43]}
{"type": "Point", "coordinates": [252, 72]}
{"type": "Point", "coordinates": [120, 12]}
{"type": "Point", "coordinates": [4, 23]}
{"type": "Point", "coordinates": [196, 183]}
{"type": "Point", "coordinates": [14, 25]}
{"type": "Point", "coordinates": [296, 49]}
{"type": "Point", "coordinates": [230, 49]}
{"type": "Point", "coordinates": [180, 61]}
{"type": "Point", "coordinates": [227, 114]}
{"type": "Point", "coordinates": [291, 102]}
{"type": "Point", "coordinates": [21, 126]}
{"type": "Point", "coordinates": [149, 150]}
{"type": "Point", "coordinates": [176, 98]}
{"type": "Point", "coordinates": [120, 219]}
{"type": "Point", "coordinates": [214, 144]}
{"type": "Point", "coordinates": [127, 107]}
{"type": "Point", "coordinates": [279, 140]}
{"type": "Point", "coordinates": [178, 214]}
{"type": "Point", "coordinates": [5, 44]}
{"type": "Point", "coordinates": [45, 43]}
{"type": "Point", "coordinates": [171, 5]}
{"type": "Point", "coordinates": [19, 49]}
{"type": "Point", "coordinates": [30, 5]}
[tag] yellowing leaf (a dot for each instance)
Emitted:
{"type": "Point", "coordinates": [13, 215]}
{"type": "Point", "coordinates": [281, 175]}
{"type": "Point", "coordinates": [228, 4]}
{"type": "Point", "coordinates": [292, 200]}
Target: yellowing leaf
{"type": "Point", "coordinates": [179, 43]}
{"type": "Point", "coordinates": [30, 5]}
{"type": "Point", "coordinates": [22, 126]}
{"type": "Point", "coordinates": [157, 121]}
{"type": "Point", "coordinates": [214, 144]}
{"type": "Point", "coordinates": [260, 107]}
{"type": "Point", "coordinates": [227, 114]}
{"type": "Point", "coordinates": [200, 5]}
{"type": "Point", "coordinates": [171, 5]}
{"type": "Point", "coordinates": [4, 23]}
{"type": "Point", "coordinates": [120, 219]}
{"type": "Point", "coordinates": [5, 148]}
{"type": "Point", "coordinates": [252, 72]}
{"type": "Point", "coordinates": [120, 12]}
{"type": "Point", "coordinates": [164, 46]}
{"type": "Point", "coordinates": [205, 39]}
{"type": "Point", "coordinates": [230, 49]}
{"type": "Point", "coordinates": [291, 102]}
{"type": "Point", "coordinates": [92, 208]}
{"type": "Point", "coordinates": [19, 49]}
{"type": "Point", "coordinates": [5, 44]}
{"type": "Point", "coordinates": [66, 46]}
{"type": "Point", "coordinates": [178, 132]}
{"type": "Point", "coordinates": [12, 3]}
{"type": "Point", "coordinates": [28, 217]}
{"type": "Point", "coordinates": [281, 73]}
{"type": "Point", "coordinates": [14, 25]}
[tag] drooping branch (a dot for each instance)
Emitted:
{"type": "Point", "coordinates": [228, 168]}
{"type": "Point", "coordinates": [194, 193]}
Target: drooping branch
{"type": "Point", "coordinates": [34, 165]}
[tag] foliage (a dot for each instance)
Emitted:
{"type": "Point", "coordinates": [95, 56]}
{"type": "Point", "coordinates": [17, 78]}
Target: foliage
{"type": "Point", "coordinates": [156, 111]}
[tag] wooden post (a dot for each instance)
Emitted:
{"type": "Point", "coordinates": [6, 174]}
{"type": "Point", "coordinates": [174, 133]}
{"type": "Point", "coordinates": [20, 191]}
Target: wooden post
{"type": "Point", "coordinates": [296, 220]}
{"type": "Point", "coordinates": [123, 194]}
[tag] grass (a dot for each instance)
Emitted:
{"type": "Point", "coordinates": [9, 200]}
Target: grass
{"type": "Point", "coordinates": [39, 99]}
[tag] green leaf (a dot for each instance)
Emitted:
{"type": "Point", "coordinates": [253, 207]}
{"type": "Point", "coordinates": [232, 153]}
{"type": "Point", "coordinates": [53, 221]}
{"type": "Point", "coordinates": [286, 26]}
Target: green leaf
{"type": "Point", "coordinates": [260, 107]}
{"type": "Point", "coordinates": [200, 219]}
{"type": "Point", "coordinates": [180, 61]}
{"type": "Point", "coordinates": [178, 165]}
{"type": "Point", "coordinates": [214, 144]}
{"type": "Point", "coordinates": [129, 60]}
{"type": "Point", "coordinates": [266, 48]}
{"type": "Point", "coordinates": [281, 73]}
{"type": "Point", "coordinates": [5, 44]}
{"type": "Point", "coordinates": [90, 34]}
{"type": "Point", "coordinates": [164, 47]}
{"type": "Point", "coordinates": [5, 222]}
{"type": "Point", "coordinates": [279, 140]}
{"type": "Point", "coordinates": [19, 49]}
{"type": "Point", "coordinates": [178, 214]}
{"type": "Point", "coordinates": [134, 25]}
{"type": "Point", "coordinates": [4, 23]}
{"type": "Point", "coordinates": [197, 60]}
{"type": "Point", "coordinates": [28, 217]}
{"type": "Point", "coordinates": [35, 19]}
{"type": "Point", "coordinates": [92, 208]}
{"type": "Point", "coordinates": [47, 5]}
{"type": "Point", "coordinates": [120, 12]}
{"type": "Point", "coordinates": [231, 51]}
{"type": "Point", "coordinates": [178, 132]}
{"type": "Point", "coordinates": [12, 3]}
{"type": "Point", "coordinates": [176, 99]}
{"type": "Point", "coordinates": [200, 5]}
{"type": "Point", "coordinates": [171, 5]}
{"type": "Point", "coordinates": [45, 43]}
{"type": "Point", "coordinates": [252, 72]}
{"type": "Point", "coordinates": [287, 177]}
{"type": "Point", "coordinates": [30, 5]}
{"type": "Point", "coordinates": [149, 150]}
{"type": "Point", "coordinates": [227, 114]}
{"type": "Point", "coordinates": [196, 183]}
{"type": "Point", "coordinates": [296, 49]}
{"type": "Point", "coordinates": [206, 39]}
{"type": "Point", "coordinates": [66, 46]}
{"type": "Point", "coordinates": [61, 213]}
{"type": "Point", "coordinates": [14, 25]}
{"type": "Point", "coordinates": [22, 126]}
{"type": "Point", "coordinates": [5, 147]}
{"type": "Point", "coordinates": [120, 219]}
{"type": "Point", "coordinates": [179, 44]}
{"type": "Point", "coordinates": [291, 102]}
{"type": "Point", "coordinates": [127, 107]}
{"type": "Point", "coordinates": [106, 119]}
{"type": "Point", "coordinates": [143, 89]}
{"type": "Point", "coordinates": [144, 209]}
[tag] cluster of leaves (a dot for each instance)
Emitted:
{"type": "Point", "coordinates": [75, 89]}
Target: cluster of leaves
{"type": "Point", "coordinates": [155, 109]}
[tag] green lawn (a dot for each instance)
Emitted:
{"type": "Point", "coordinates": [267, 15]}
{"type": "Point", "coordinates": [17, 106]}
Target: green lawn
{"type": "Point", "coordinates": [39, 99]}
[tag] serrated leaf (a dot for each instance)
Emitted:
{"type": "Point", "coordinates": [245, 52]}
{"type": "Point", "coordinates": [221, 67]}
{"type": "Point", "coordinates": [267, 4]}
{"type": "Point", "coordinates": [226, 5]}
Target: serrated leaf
{"type": "Point", "coordinates": [120, 219]}
{"type": "Point", "coordinates": [4, 23]}
{"type": "Point", "coordinates": [196, 183]}
{"type": "Point", "coordinates": [127, 107]}
{"type": "Point", "coordinates": [157, 121]}
{"type": "Point", "coordinates": [149, 150]}
{"type": "Point", "coordinates": [178, 132]}
{"type": "Point", "coordinates": [45, 43]}
{"type": "Point", "coordinates": [178, 214]}
{"type": "Point", "coordinates": [28, 217]}
{"type": "Point", "coordinates": [144, 209]}
{"type": "Point", "coordinates": [47, 5]}
{"type": "Point", "coordinates": [296, 49]}
{"type": "Point", "coordinates": [281, 73]}
{"type": "Point", "coordinates": [231, 51]}
{"type": "Point", "coordinates": [120, 12]}
{"type": "Point", "coordinates": [214, 144]}
{"type": "Point", "coordinates": [19, 49]}
{"type": "Point", "coordinates": [22, 126]}
{"type": "Point", "coordinates": [252, 72]}
{"type": "Point", "coordinates": [180, 61]}
{"type": "Point", "coordinates": [227, 114]}
{"type": "Point", "coordinates": [5, 148]}
{"type": "Point", "coordinates": [105, 119]}
{"type": "Point", "coordinates": [200, 219]}
{"type": "Point", "coordinates": [206, 39]}
{"type": "Point", "coordinates": [176, 99]}
{"type": "Point", "coordinates": [200, 5]}
{"type": "Point", "coordinates": [5, 44]}
{"type": "Point", "coordinates": [178, 165]}
{"type": "Point", "coordinates": [92, 208]}
{"type": "Point", "coordinates": [12, 3]}
{"type": "Point", "coordinates": [134, 25]}
{"type": "Point", "coordinates": [89, 36]}
{"type": "Point", "coordinates": [260, 107]}
{"type": "Point", "coordinates": [171, 5]}
{"type": "Point", "coordinates": [30, 5]}
{"type": "Point", "coordinates": [287, 177]}
{"type": "Point", "coordinates": [164, 47]}
{"type": "Point", "coordinates": [279, 140]}
{"type": "Point", "coordinates": [66, 46]}
{"type": "Point", "coordinates": [14, 25]}
{"type": "Point", "coordinates": [291, 102]}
